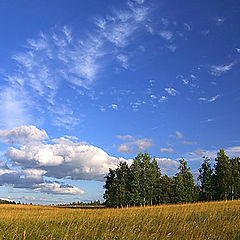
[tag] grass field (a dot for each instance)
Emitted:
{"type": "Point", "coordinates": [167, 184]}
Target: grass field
{"type": "Point", "coordinates": [215, 220]}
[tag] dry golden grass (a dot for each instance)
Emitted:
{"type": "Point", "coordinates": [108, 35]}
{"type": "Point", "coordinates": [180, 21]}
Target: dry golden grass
{"type": "Point", "coordinates": [215, 220]}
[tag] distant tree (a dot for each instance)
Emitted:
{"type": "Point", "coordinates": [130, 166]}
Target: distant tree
{"type": "Point", "coordinates": [7, 202]}
{"type": "Point", "coordinates": [206, 180]}
{"type": "Point", "coordinates": [223, 176]}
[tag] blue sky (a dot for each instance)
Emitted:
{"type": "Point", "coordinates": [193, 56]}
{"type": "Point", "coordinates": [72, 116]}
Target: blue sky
{"type": "Point", "coordinates": [86, 84]}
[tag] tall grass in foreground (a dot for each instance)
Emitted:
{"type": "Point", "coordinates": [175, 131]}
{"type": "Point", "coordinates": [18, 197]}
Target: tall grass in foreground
{"type": "Point", "coordinates": [215, 220]}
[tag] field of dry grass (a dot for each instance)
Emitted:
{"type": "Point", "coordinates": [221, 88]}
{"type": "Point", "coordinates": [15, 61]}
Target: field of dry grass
{"type": "Point", "coordinates": [215, 220]}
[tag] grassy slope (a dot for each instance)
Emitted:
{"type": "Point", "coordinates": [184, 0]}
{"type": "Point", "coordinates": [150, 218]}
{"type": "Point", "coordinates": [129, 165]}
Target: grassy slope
{"type": "Point", "coordinates": [216, 220]}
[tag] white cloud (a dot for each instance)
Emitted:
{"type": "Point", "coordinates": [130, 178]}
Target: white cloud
{"type": "Point", "coordinates": [171, 91]}
{"type": "Point", "coordinates": [153, 97]}
{"type": "Point", "coordinates": [187, 26]}
{"type": "Point", "coordinates": [238, 50]}
{"type": "Point", "coordinates": [167, 162]}
{"type": "Point", "coordinates": [33, 173]}
{"type": "Point", "coordinates": [209, 120]}
{"type": "Point", "coordinates": [120, 26]}
{"type": "Point", "coordinates": [233, 151]}
{"type": "Point", "coordinates": [57, 188]}
{"type": "Point", "coordinates": [172, 47]}
{"type": "Point", "coordinates": [14, 108]}
{"type": "Point", "coordinates": [205, 32]}
{"type": "Point", "coordinates": [33, 179]}
{"type": "Point", "coordinates": [209, 100]}
{"type": "Point", "coordinates": [140, 1]}
{"type": "Point", "coordinates": [151, 82]}
{"type": "Point", "coordinates": [166, 35]}
{"type": "Point", "coordinates": [22, 134]}
{"type": "Point", "coordinates": [135, 146]}
{"type": "Point", "coordinates": [219, 20]}
{"type": "Point", "coordinates": [125, 137]}
{"type": "Point", "coordinates": [178, 135]}
{"type": "Point", "coordinates": [212, 154]}
{"type": "Point", "coordinates": [218, 70]}
{"type": "Point", "coordinates": [167, 165]}
{"type": "Point", "coordinates": [101, 108]}
{"type": "Point", "coordinates": [164, 21]}
{"type": "Point", "coordinates": [63, 116]}
{"type": "Point", "coordinates": [59, 59]}
{"type": "Point", "coordinates": [114, 106]}
{"type": "Point", "coordinates": [123, 59]}
{"type": "Point", "coordinates": [135, 105]}
{"type": "Point", "coordinates": [166, 150]}
{"type": "Point", "coordinates": [75, 160]}
{"type": "Point", "coordinates": [162, 99]}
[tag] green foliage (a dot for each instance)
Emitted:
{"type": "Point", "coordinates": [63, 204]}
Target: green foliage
{"type": "Point", "coordinates": [186, 183]}
{"type": "Point", "coordinates": [223, 176]}
{"type": "Point", "coordinates": [235, 185]}
{"type": "Point", "coordinates": [78, 203]}
{"type": "Point", "coordinates": [7, 202]}
{"type": "Point", "coordinates": [142, 184]}
{"type": "Point", "coordinates": [206, 180]}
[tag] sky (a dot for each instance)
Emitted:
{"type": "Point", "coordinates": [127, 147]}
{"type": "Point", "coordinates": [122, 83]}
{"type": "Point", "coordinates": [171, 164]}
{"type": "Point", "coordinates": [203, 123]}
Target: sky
{"type": "Point", "coordinates": [87, 84]}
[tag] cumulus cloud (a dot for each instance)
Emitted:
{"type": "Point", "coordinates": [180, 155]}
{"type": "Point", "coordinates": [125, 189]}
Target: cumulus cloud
{"type": "Point", "coordinates": [212, 154]}
{"type": "Point", "coordinates": [66, 159]}
{"type": "Point", "coordinates": [167, 165]}
{"type": "Point", "coordinates": [166, 150]}
{"type": "Point", "coordinates": [166, 162]}
{"type": "Point", "coordinates": [135, 146]}
{"type": "Point", "coordinates": [57, 188]}
{"type": "Point", "coordinates": [22, 134]}
{"type": "Point", "coordinates": [171, 91]}
{"type": "Point", "coordinates": [33, 179]}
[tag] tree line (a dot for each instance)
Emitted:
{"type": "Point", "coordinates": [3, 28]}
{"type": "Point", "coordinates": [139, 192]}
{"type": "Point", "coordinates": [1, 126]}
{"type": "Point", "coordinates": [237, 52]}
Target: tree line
{"type": "Point", "coordinates": [79, 203]}
{"type": "Point", "coordinates": [7, 202]}
{"type": "Point", "coordinates": [142, 183]}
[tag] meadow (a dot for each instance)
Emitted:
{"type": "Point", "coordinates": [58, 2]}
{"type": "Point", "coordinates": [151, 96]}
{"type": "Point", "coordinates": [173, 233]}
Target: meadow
{"type": "Point", "coordinates": [211, 220]}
